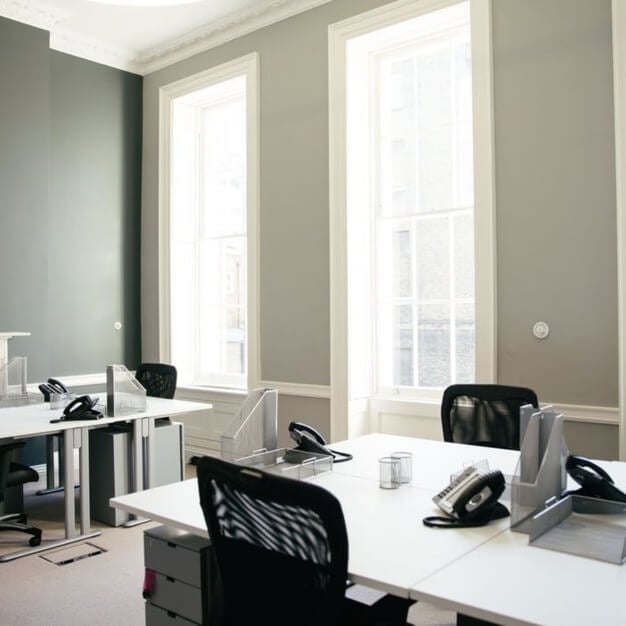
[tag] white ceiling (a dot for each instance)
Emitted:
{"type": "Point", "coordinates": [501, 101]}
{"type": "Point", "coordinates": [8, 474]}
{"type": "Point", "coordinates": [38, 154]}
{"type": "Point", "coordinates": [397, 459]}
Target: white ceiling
{"type": "Point", "coordinates": [143, 39]}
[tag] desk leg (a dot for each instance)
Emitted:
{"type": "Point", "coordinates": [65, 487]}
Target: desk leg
{"type": "Point", "coordinates": [143, 431]}
{"type": "Point", "coordinates": [74, 438]}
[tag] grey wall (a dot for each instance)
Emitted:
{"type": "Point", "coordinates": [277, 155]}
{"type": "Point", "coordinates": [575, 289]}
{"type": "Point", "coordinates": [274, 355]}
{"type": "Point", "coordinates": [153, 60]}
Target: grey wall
{"type": "Point", "coordinates": [555, 185]}
{"type": "Point", "coordinates": [555, 204]}
{"type": "Point", "coordinates": [70, 159]}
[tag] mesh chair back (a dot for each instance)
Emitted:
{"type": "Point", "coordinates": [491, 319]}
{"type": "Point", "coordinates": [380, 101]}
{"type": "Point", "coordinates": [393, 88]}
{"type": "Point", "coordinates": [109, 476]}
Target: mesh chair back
{"type": "Point", "coordinates": [159, 379]}
{"type": "Point", "coordinates": [281, 546]}
{"type": "Point", "coordinates": [484, 414]}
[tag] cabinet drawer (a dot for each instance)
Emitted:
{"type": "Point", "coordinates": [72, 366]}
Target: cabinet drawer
{"type": "Point", "coordinates": [179, 597]}
{"type": "Point", "coordinates": [176, 554]}
{"type": "Point", "coordinates": [156, 616]}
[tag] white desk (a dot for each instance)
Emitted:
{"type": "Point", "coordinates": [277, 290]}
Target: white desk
{"type": "Point", "coordinates": [433, 461]}
{"type": "Point", "coordinates": [34, 420]}
{"type": "Point", "coordinates": [390, 548]}
{"type": "Point", "coordinates": [489, 573]}
{"type": "Point", "coordinates": [507, 581]}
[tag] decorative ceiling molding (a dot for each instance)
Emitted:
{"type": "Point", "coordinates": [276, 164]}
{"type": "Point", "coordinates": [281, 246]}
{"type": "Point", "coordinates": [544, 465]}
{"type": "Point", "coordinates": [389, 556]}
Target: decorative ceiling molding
{"type": "Point", "coordinates": [216, 33]}
{"type": "Point", "coordinates": [32, 13]}
{"type": "Point", "coordinates": [219, 32]}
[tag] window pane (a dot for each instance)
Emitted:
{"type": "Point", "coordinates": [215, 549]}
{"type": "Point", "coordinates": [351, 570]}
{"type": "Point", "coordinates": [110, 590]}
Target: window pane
{"type": "Point", "coordinates": [433, 338]}
{"type": "Point", "coordinates": [403, 345]}
{"type": "Point", "coordinates": [223, 197]}
{"type": "Point", "coordinates": [436, 181]}
{"type": "Point", "coordinates": [433, 266]}
{"type": "Point", "coordinates": [435, 89]}
{"type": "Point", "coordinates": [401, 263]}
{"type": "Point", "coordinates": [463, 248]}
{"type": "Point", "coordinates": [465, 341]}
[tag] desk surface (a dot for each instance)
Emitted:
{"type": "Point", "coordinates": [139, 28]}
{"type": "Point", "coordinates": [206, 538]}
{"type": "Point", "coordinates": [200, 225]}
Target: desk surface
{"type": "Point", "coordinates": [433, 461]}
{"type": "Point", "coordinates": [489, 573]}
{"type": "Point", "coordinates": [34, 419]}
{"type": "Point", "coordinates": [515, 583]}
{"type": "Point", "coordinates": [390, 548]}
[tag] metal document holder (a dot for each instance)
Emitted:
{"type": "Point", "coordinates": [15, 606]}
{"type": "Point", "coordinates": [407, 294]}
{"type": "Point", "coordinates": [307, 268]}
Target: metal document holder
{"type": "Point", "coordinates": [252, 440]}
{"type": "Point", "coordinates": [254, 426]}
{"type": "Point", "coordinates": [566, 526]}
{"type": "Point", "coordinates": [124, 392]}
{"type": "Point", "coordinates": [540, 473]}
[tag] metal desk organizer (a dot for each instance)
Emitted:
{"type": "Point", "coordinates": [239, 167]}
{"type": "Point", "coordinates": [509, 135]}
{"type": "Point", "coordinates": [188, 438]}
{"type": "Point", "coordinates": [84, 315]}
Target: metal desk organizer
{"type": "Point", "coordinates": [252, 440]}
{"type": "Point", "coordinates": [571, 525]}
{"type": "Point", "coordinates": [567, 524]}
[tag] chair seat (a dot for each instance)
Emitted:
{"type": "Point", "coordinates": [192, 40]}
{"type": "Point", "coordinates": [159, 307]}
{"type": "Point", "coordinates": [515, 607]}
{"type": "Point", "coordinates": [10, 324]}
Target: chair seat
{"type": "Point", "coordinates": [20, 474]}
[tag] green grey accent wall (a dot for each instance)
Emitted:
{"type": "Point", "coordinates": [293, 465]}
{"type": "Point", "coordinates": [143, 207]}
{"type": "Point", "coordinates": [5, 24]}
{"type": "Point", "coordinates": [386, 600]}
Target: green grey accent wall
{"type": "Point", "coordinates": [94, 216]}
{"type": "Point", "coordinates": [24, 163]}
{"type": "Point", "coordinates": [70, 184]}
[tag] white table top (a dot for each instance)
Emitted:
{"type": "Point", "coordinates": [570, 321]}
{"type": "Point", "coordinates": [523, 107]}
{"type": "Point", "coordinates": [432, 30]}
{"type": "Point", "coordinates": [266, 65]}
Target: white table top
{"type": "Point", "coordinates": [390, 548]}
{"type": "Point", "coordinates": [506, 580]}
{"type": "Point", "coordinates": [433, 461]}
{"type": "Point", "coordinates": [34, 419]}
{"type": "Point", "coordinates": [489, 572]}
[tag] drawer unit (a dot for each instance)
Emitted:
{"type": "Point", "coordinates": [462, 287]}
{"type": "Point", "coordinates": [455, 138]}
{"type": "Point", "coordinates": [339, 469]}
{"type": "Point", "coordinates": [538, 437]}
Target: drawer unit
{"type": "Point", "coordinates": [185, 578]}
{"type": "Point", "coordinates": [160, 617]}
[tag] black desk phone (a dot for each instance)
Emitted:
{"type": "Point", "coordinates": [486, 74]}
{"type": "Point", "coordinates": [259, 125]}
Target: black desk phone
{"type": "Point", "coordinates": [309, 440]}
{"type": "Point", "coordinates": [471, 499]}
{"type": "Point", "coordinates": [52, 386]}
{"type": "Point", "coordinates": [593, 480]}
{"type": "Point", "coordinates": [81, 408]}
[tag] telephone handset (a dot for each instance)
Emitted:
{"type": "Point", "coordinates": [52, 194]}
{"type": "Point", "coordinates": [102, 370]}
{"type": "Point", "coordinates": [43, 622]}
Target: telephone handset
{"type": "Point", "coordinates": [52, 386]}
{"type": "Point", "coordinates": [593, 480]}
{"type": "Point", "coordinates": [309, 440]}
{"type": "Point", "coordinates": [81, 408]}
{"type": "Point", "coordinates": [471, 499]}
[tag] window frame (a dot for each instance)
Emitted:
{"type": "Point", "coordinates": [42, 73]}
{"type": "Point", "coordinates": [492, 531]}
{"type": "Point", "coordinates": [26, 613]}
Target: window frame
{"type": "Point", "coordinates": [343, 423]}
{"type": "Point", "coordinates": [248, 67]}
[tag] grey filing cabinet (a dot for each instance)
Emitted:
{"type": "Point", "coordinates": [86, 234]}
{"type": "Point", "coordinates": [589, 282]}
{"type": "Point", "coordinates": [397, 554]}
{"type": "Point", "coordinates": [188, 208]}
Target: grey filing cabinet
{"type": "Point", "coordinates": [111, 464]}
{"type": "Point", "coordinates": [185, 578]}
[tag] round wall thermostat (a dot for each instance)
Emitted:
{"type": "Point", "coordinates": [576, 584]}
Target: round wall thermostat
{"type": "Point", "coordinates": [541, 330]}
{"type": "Point", "coordinates": [117, 325]}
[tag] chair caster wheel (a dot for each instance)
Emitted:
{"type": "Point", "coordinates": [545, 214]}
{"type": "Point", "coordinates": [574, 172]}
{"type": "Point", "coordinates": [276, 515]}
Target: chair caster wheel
{"type": "Point", "coordinates": [34, 541]}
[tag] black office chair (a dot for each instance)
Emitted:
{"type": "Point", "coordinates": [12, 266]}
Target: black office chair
{"type": "Point", "coordinates": [14, 475]}
{"type": "Point", "coordinates": [485, 415]}
{"type": "Point", "coordinates": [282, 551]}
{"type": "Point", "coordinates": [159, 379]}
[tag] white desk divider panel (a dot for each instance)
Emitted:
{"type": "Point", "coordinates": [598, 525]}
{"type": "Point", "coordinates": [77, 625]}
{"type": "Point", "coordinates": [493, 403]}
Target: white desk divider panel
{"type": "Point", "coordinates": [540, 474]}
{"type": "Point", "coordinates": [124, 392]}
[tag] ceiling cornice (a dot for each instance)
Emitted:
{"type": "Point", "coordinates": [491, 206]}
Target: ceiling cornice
{"type": "Point", "coordinates": [217, 33]}
{"type": "Point", "coordinates": [204, 38]}
{"type": "Point", "coordinates": [32, 13]}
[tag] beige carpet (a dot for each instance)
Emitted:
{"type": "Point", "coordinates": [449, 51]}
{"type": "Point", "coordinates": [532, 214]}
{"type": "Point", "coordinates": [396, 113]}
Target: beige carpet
{"type": "Point", "coordinates": [100, 590]}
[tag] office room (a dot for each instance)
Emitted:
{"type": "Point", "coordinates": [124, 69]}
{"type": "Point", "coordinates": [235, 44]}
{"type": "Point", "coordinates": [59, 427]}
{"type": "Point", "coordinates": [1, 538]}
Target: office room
{"type": "Point", "coordinates": [97, 107]}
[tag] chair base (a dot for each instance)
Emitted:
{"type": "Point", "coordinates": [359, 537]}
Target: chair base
{"type": "Point", "coordinates": [17, 522]}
